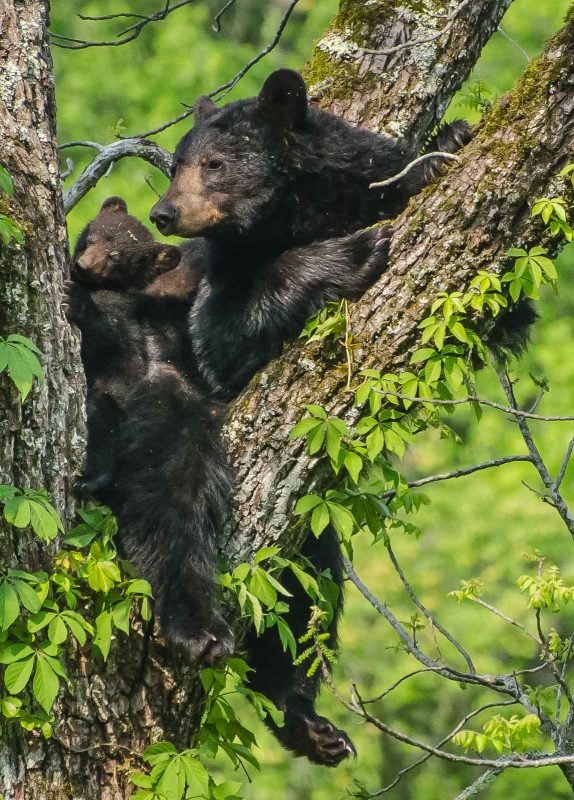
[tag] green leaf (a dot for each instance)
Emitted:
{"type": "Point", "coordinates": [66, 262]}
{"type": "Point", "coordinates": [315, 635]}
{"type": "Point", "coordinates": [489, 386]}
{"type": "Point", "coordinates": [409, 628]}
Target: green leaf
{"type": "Point", "coordinates": [353, 464]}
{"type": "Point", "coordinates": [6, 183]}
{"type": "Point", "coordinates": [18, 674]}
{"type": "Point", "coordinates": [161, 751]}
{"type": "Point", "coordinates": [121, 615]}
{"type": "Point", "coordinates": [10, 706]}
{"type": "Point", "coordinates": [14, 652]}
{"type": "Point", "coordinates": [304, 427]}
{"type": "Point", "coordinates": [342, 519]}
{"type": "Point", "coordinates": [319, 519]}
{"type": "Point", "coordinates": [317, 411]}
{"type": "Point", "coordinates": [266, 553]}
{"type": "Point", "coordinates": [315, 439]}
{"type": "Point", "coordinates": [57, 631]}
{"type": "Point", "coordinates": [28, 596]}
{"type": "Point", "coordinates": [103, 637]}
{"type": "Point", "coordinates": [262, 589]}
{"type": "Point", "coordinates": [103, 575]}
{"type": "Point", "coordinates": [43, 523]}
{"type": "Point", "coordinates": [139, 587]}
{"type": "Point", "coordinates": [46, 683]}
{"type": "Point", "coordinates": [196, 775]}
{"type": "Point", "coordinates": [307, 503]}
{"type": "Point", "coordinates": [9, 605]}
{"type": "Point", "coordinates": [172, 783]}
{"type": "Point", "coordinates": [17, 511]}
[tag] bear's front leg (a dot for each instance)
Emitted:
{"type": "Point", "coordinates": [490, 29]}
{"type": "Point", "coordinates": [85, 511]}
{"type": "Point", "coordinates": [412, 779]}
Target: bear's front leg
{"type": "Point", "coordinates": [201, 634]}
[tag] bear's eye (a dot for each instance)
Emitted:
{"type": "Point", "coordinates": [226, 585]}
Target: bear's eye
{"type": "Point", "coordinates": [214, 164]}
{"type": "Point", "coordinates": [114, 257]}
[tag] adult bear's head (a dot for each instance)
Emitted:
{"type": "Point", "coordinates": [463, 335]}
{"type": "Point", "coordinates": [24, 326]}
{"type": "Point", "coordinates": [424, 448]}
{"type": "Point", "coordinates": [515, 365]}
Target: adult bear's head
{"type": "Point", "coordinates": [231, 170]}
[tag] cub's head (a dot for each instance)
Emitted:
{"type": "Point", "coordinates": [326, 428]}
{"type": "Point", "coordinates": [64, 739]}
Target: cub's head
{"type": "Point", "coordinates": [230, 172]}
{"type": "Point", "coordinates": [115, 251]}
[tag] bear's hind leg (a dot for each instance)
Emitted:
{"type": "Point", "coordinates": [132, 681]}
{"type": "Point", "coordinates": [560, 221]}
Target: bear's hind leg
{"type": "Point", "coordinates": [305, 733]}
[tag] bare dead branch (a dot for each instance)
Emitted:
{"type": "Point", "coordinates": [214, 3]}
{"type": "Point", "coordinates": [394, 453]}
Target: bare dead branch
{"type": "Point", "coordinates": [125, 35]}
{"type": "Point", "coordinates": [512, 41]}
{"type": "Point", "coordinates": [216, 24]}
{"type": "Point", "coordinates": [409, 167]}
{"type": "Point", "coordinates": [434, 622]}
{"type": "Point", "coordinates": [107, 156]}
{"type": "Point", "coordinates": [443, 741]}
{"type": "Point", "coordinates": [565, 463]}
{"type": "Point", "coordinates": [537, 459]}
{"type": "Point", "coordinates": [225, 88]}
{"type": "Point", "coordinates": [461, 473]}
{"type": "Point", "coordinates": [506, 618]}
{"type": "Point", "coordinates": [482, 782]}
{"type": "Point", "coordinates": [514, 411]}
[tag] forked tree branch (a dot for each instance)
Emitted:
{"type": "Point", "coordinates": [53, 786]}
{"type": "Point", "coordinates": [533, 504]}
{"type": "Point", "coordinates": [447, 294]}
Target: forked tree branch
{"type": "Point", "coordinates": [461, 224]}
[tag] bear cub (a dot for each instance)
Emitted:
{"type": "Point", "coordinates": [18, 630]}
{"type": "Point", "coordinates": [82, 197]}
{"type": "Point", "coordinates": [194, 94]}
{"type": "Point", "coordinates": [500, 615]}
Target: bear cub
{"type": "Point", "coordinates": [153, 450]}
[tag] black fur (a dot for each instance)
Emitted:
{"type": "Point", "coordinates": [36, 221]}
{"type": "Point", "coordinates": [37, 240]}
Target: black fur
{"type": "Point", "coordinates": [273, 179]}
{"type": "Point", "coordinates": [268, 182]}
{"type": "Point", "coordinates": [153, 453]}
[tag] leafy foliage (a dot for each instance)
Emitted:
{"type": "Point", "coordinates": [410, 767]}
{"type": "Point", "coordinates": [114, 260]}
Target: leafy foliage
{"type": "Point", "coordinates": [19, 359]}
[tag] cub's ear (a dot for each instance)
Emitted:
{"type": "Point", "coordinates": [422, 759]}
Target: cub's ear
{"type": "Point", "coordinates": [282, 100]}
{"type": "Point", "coordinates": [203, 108]}
{"type": "Point", "coordinates": [114, 204]}
{"type": "Point", "coordinates": [167, 256]}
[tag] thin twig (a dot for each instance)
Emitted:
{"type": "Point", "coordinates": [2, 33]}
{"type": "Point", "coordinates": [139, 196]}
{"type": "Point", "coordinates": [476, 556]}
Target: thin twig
{"type": "Point", "coordinates": [426, 612]}
{"type": "Point", "coordinates": [409, 167]}
{"type": "Point", "coordinates": [225, 88]}
{"type": "Point", "coordinates": [564, 466]}
{"type": "Point", "coordinates": [124, 36]}
{"type": "Point", "coordinates": [460, 473]}
{"type": "Point", "coordinates": [506, 618]}
{"type": "Point", "coordinates": [482, 782]}
{"type": "Point", "coordinates": [398, 682]}
{"type": "Point", "coordinates": [516, 412]}
{"type": "Point", "coordinates": [518, 46]}
{"type": "Point", "coordinates": [216, 24]}
{"type": "Point", "coordinates": [537, 459]}
{"type": "Point", "coordinates": [498, 683]}
{"type": "Point", "coordinates": [443, 741]}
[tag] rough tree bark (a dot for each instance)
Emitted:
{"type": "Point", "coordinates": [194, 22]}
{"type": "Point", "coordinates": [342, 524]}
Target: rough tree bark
{"type": "Point", "coordinates": [461, 224]}
{"type": "Point", "coordinates": [41, 445]}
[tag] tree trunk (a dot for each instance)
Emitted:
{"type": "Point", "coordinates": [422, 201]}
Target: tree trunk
{"type": "Point", "coordinates": [41, 445]}
{"type": "Point", "coordinates": [456, 227]}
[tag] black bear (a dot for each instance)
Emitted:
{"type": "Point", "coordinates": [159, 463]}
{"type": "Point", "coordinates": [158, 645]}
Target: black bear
{"type": "Point", "coordinates": [153, 450]}
{"type": "Point", "coordinates": [266, 182]}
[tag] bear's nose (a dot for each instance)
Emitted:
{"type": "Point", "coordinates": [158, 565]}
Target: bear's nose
{"type": "Point", "coordinates": [163, 215]}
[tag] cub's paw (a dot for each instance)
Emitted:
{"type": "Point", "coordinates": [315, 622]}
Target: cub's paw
{"type": "Point", "coordinates": [86, 484]}
{"type": "Point", "coordinates": [76, 302]}
{"type": "Point", "coordinates": [208, 641]}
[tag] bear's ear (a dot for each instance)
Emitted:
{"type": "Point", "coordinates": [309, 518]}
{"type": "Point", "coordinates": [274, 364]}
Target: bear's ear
{"type": "Point", "coordinates": [167, 256]}
{"type": "Point", "coordinates": [203, 108]}
{"type": "Point", "coordinates": [282, 100]}
{"type": "Point", "coordinates": [114, 204]}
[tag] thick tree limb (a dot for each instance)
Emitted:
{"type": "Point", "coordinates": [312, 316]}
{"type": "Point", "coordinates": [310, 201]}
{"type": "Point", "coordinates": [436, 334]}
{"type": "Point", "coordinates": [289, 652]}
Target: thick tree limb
{"type": "Point", "coordinates": [455, 228]}
{"type": "Point", "coordinates": [395, 69]}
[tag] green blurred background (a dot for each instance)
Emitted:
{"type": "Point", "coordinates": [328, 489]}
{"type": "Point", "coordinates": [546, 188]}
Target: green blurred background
{"type": "Point", "coordinates": [479, 526]}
